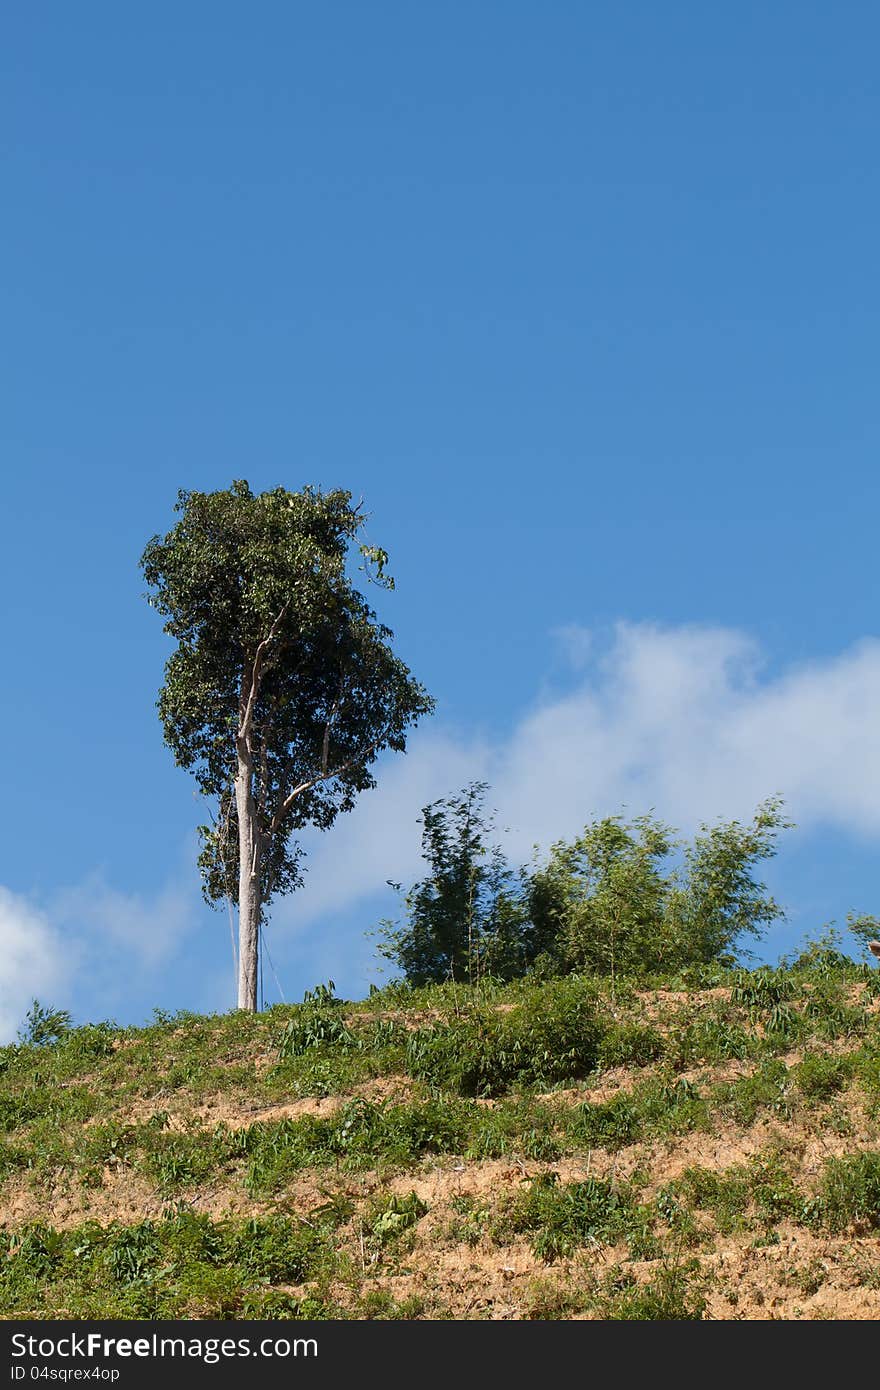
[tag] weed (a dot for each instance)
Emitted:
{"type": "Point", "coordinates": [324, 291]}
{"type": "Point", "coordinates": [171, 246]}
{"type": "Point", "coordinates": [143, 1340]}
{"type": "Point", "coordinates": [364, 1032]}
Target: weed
{"type": "Point", "coordinates": [555, 1038]}
{"type": "Point", "coordinates": [821, 1076]}
{"type": "Point", "coordinates": [850, 1191]}
{"type": "Point", "coordinates": [630, 1044]}
{"type": "Point", "coordinates": [44, 1025]}
{"type": "Point", "coordinates": [395, 1214]}
{"type": "Point", "coordinates": [670, 1297]}
{"type": "Point", "coordinates": [611, 1124]}
{"type": "Point", "coordinates": [562, 1217]}
{"type": "Point", "coordinates": [767, 1088]}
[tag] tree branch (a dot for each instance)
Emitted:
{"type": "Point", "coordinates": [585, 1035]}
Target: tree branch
{"type": "Point", "coordinates": [323, 777]}
{"type": "Point", "coordinates": [247, 714]}
{"type": "Point", "coordinates": [325, 751]}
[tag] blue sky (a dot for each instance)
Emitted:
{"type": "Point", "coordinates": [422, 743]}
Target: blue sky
{"type": "Point", "coordinates": [581, 298]}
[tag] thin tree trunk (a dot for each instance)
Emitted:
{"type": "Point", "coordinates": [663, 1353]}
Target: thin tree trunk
{"type": "Point", "coordinates": [249, 905]}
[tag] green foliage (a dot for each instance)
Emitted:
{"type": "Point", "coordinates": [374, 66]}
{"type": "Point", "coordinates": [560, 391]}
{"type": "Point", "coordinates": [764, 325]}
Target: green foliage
{"type": "Point", "coordinates": [765, 993]}
{"type": "Point", "coordinates": [611, 1124]}
{"type": "Point", "coordinates": [828, 1011]}
{"type": "Point", "coordinates": [609, 903]}
{"type": "Point", "coordinates": [850, 1191]}
{"type": "Point", "coordinates": [707, 1035]}
{"type": "Point", "coordinates": [630, 1044]}
{"type": "Point", "coordinates": [317, 1023]}
{"type": "Point", "coordinates": [276, 650]}
{"type": "Point", "coordinates": [185, 1265]}
{"type": "Point", "coordinates": [358, 1134]}
{"type": "Point", "coordinates": [761, 991]}
{"type": "Point", "coordinates": [517, 1128]}
{"type": "Point", "coordinates": [670, 1105]}
{"type": "Point", "coordinates": [760, 1192]}
{"type": "Point", "coordinates": [821, 1076]}
{"type": "Point", "coordinates": [466, 919]}
{"type": "Point", "coordinates": [380, 1305]}
{"type": "Point", "coordinates": [723, 900]}
{"type": "Point", "coordinates": [671, 1296]}
{"type": "Point", "coordinates": [598, 904]}
{"type": "Point", "coordinates": [395, 1214]}
{"type": "Point", "coordinates": [726, 1195]}
{"type": "Point", "coordinates": [864, 928]}
{"type": "Point", "coordinates": [44, 1025]}
{"type": "Point", "coordinates": [553, 1038]}
{"type": "Point", "coordinates": [619, 900]}
{"type": "Point", "coordinates": [656, 1107]}
{"type": "Point", "coordinates": [767, 1088]}
{"type": "Point", "coordinates": [563, 1216]}
{"type": "Point", "coordinates": [276, 1249]}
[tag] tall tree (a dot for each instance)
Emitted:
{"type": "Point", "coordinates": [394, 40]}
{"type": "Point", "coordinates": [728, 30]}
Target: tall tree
{"type": "Point", "coordinates": [466, 918]}
{"type": "Point", "coordinates": [283, 688]}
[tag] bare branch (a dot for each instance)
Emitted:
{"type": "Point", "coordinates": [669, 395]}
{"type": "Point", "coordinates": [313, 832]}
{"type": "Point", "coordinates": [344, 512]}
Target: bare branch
{"type": "Point", "coordinates": [298, 790]}
{"type": "Point", "coordinates": [244, 727]}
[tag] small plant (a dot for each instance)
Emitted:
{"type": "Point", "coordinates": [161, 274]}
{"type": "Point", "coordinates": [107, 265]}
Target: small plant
{"type": "Point", "coordinates": [668, 1105]}
{"type": "Point", "coordinates": [767, 1088]}
{"type": "Point", "coordinates": [609, 1125]}
{"type": "Point", "coordinates": [552, 1038]}
{"type": "Point", "coordinates": [671, 1296]}
{"type": "Point", "coordinates": [132, 1252]}
{"type": "Point", "coordinates": [276, 1249]}
{"type": "Point", "coordinates": [765, 993]}
{"type": "Point", "coordinates": [707, 1038]}
{"type": "Point", "coordinates": [563, 1217]}
{"type": "Point", "coordinates": [820, 1076]}
{"type": "Point", "coordinates": [43, 1025]}
{"type": "Point", "coordinates": [850, 1191]}
{"type": "Point", "coordinates": [470, 1223]}
{"type": "Point", "coordinates": [317, 1023]}
{"type": "Point", "coordinates": [630, 1044]}
{"type": "Point", "coordinates": [395, 1215]}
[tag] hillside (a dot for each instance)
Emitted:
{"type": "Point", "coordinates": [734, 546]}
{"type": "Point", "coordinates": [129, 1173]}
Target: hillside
{"type": "Point", "coordinates": [706, 1146]}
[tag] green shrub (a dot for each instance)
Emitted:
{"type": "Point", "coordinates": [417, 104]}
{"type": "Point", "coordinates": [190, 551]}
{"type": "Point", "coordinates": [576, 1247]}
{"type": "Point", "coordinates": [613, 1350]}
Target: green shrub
{"type": "Point", "coordinates": [317, 1022]}
{"type": "Point", "coordinates": [562, 1217]}
{"type": "Point", "coordinates": [726, 1195]}
{"type": "Point", "coordinates": [395, 1214]}
{"type": "Point", "coordinates": [131, 1252]}
{"type": "Point", "coordinates": [275, 1249]}
{"type": "Point", "coordinates": [668, 1105]}
{"type": "Point", "coordinates": [552, 1037]}
{"type": "Point", "coordinates": [850, 1190]}
{"type": "Point", "coordinates": [767, 1088]}
{"type": "Point", "coordinates": [44, 1025]}
{"type": "Point", "coordinates": [183, 1266]}
{"type": "Point", "coordinates": [669, 1297]}
{"type": "Point", "coordinates": [707, 1038]}
{"type": "Point", "coordinates": [630, 1044]}
{"type": "Point", "coordinates": [359, 1133]}
{"type": "Point", "coordinates": [820, 1076]}
{"type": "Point", "coordinates": [829, 1012]}
{"type": "Point", "coordinates": [767, 994]}
{"type": "Point", "coordinates": [611, 1124]}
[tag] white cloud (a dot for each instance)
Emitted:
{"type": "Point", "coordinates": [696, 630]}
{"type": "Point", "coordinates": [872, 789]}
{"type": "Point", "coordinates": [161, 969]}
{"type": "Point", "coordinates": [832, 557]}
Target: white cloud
{"type": "Point", "coordinates": [681, 721]}
{"type": "Point", "coordinates": [145, 930]}
{"type": "Point", "coordinates": [33, 962]}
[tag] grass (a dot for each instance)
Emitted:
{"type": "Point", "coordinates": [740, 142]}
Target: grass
{"type": "Point", "coordinates": [501, 1075]}
{"type": "Point", "coordinates": [183, 1266]}
{"type": "Point", "coordinates": [562, 1217]}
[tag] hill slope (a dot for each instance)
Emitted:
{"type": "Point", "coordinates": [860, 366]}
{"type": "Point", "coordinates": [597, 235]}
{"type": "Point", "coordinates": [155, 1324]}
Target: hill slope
{"type": "Point", "coordinates": [703, 1147]}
